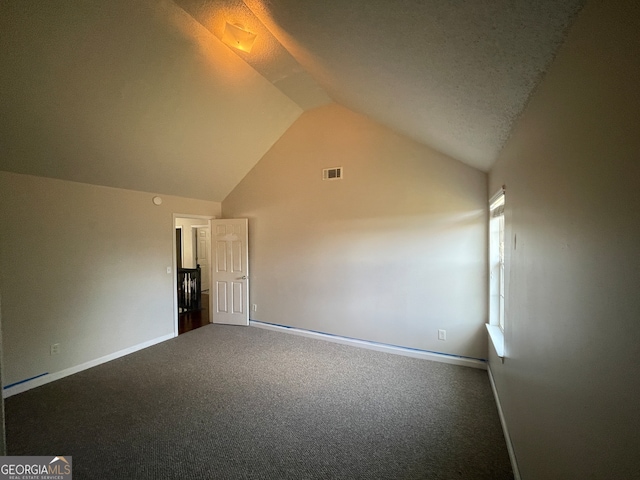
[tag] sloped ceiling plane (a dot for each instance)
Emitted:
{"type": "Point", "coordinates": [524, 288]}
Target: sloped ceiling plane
{"type": "Point", "coordinates": [144, 94]}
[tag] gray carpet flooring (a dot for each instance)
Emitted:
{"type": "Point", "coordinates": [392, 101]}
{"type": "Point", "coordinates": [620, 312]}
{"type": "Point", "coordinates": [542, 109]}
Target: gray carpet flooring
{"type": "Point", "coordinates": [226, 402]}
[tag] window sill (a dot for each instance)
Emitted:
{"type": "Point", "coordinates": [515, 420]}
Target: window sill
{"type": "Point", "coordinates": [497, 339]}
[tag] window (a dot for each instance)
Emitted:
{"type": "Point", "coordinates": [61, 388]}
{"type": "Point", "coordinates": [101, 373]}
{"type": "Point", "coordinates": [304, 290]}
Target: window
{"type": "Point", "coordinates": [497, 271]}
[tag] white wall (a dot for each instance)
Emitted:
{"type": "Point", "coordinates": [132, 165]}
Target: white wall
{"type": "Point", "coordinates": [570, 384]}
{"type": "Point", "coordinates": [83, 266]}
{"type": "Point", "coordinates": [390, 254]}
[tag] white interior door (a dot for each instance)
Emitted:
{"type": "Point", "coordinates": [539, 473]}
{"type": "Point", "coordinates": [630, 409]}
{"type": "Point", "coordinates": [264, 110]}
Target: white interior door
{"type": "Point", "coordinates": [230, 272]}
{"type": "Point", "coordinates": [203, 247]}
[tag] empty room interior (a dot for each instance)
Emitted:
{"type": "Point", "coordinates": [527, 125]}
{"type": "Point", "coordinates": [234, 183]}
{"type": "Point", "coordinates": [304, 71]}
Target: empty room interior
{"type": "Point", "coordinates": [450, 183]}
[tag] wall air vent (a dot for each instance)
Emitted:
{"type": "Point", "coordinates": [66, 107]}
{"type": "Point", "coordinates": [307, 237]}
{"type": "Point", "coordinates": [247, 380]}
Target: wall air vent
{"type": "Point", "coordinates": [334, 173]}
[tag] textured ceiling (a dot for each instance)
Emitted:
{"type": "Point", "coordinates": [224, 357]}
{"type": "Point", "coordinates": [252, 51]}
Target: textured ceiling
{"type": "Point", "coordinates": [133, 94]}
{"type": "Point", "coordinates": [451, 74]}
{"type": "Point", "coordinates": [142, 94]}
{"type": "Point", "coordinates": [268, 56]}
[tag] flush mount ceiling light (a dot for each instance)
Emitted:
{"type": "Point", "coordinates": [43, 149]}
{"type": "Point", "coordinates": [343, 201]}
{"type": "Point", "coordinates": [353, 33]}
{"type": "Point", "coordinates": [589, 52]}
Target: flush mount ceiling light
{"type": "Point", "coordinates": [237, 37]}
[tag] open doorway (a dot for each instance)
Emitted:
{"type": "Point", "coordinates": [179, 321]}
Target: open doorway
{"type": "Point", "coordinates": [192, 272]}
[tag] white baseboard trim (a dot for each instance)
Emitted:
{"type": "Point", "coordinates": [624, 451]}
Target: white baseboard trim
{"type": "Point", "coordinates": [48, 378]}
{"type": "Point", "coordinates": [505, 430]}
{"type": "Point", "coordinates": [380, 347]}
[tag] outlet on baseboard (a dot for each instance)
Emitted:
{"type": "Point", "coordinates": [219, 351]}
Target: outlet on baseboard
{"type": "Point", "coordinates": [55, 349]}
{"type": "Point", "coordinates": [442, 334]}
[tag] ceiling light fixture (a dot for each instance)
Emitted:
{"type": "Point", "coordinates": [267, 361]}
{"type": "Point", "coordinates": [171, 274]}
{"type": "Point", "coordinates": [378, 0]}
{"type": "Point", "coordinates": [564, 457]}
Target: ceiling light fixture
{"type": "Point", "coordinates": [237, 37]}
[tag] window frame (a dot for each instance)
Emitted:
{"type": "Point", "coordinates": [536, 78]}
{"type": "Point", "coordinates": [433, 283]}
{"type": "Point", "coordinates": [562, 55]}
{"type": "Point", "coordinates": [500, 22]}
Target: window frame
{"type": "Point", "coordinates": [497, 268]}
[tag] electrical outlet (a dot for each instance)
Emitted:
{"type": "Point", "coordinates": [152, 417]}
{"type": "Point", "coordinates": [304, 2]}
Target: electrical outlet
{"type": "Point", "coordinates": [55, 349]}
{"type": "Point", "coordinates": [442, 334]}
{"type": "Point", "coordinates": [254, 307]}
{"type": "Point", "coordinates": [168, 270]}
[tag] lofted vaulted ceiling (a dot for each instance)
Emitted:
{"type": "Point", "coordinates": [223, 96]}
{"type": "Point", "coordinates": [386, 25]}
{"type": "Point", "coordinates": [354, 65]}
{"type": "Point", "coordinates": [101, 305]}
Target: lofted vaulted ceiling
{"type": "Point", "coordinates": [451, 74]}
{"type": "Point", "coordinates": [133, 94]}
{"type": "Point", "coordinates": [142, 94]}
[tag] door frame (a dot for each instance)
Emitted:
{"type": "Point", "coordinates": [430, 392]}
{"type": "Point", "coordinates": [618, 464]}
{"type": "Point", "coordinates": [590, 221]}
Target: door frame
{"type": "Point", "coordinates": [207, 219]}
{"type": "Point", "coordinates": [175, 249]}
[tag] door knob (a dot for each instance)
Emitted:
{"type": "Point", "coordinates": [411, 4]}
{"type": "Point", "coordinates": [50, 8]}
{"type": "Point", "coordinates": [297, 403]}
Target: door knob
{"type": "Point", "coordinates": [244, 277]}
